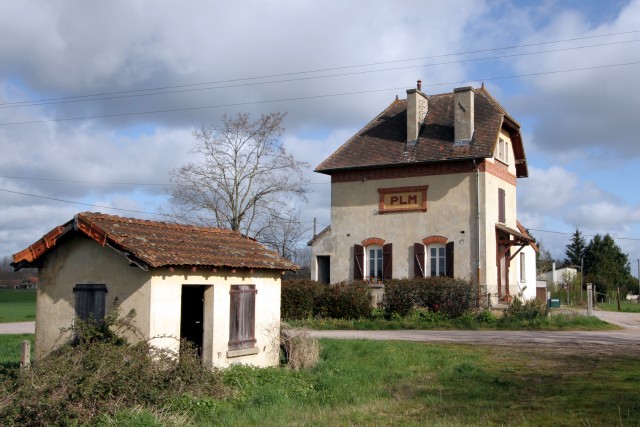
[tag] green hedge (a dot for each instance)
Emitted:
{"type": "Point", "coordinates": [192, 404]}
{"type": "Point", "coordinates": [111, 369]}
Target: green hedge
{"type": "Point", "coordinates": [452, 297]}
{"type": "Point", "coordinates": [302, 299]}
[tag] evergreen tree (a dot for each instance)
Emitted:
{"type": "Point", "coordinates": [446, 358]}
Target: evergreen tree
{"type": "Point", "coordinates": [606, 266]}
{"type": "Point", "coordinates": [575, 249]}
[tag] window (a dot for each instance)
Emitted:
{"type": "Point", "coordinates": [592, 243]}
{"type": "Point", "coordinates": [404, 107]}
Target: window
{"type": "Point", "coordinates": [502, 150]}
{"type": "Point", "coordinates": [523, 275]}
{"type": "Point", "coordinates": [433, 259]}
{"type": "Point", "coordinates": [90, 301]}
{"type": "Point", "coordinates": [436, 260]}
{"type": "Point", "coordinates": [373, 262]}
{"type": "Point", "coordinates": [374, 259]}
{"type": "Point", "coordinates": [242, 322]}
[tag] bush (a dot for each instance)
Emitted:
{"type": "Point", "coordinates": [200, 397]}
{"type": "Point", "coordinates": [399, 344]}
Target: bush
{"type": "Point", "coordinates": [531, 309]}
{"type": "Point", "coordinates": [451, 297]}
{"type": "Point", "coordinates": [101, 375]}
{"type": "Point", "coordinates": [299, 349]}
{"type": "Point", "coordinates": [346, 300]}
{"type": "Point", "coordinates": [299, 298]}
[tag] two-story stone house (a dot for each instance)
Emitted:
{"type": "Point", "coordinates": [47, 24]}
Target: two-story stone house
{"type": "Point", "coordinates": [428, 188]}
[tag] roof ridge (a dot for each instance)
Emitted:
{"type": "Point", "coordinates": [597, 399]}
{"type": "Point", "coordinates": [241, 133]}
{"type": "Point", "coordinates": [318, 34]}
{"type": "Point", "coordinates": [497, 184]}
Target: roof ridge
{"type": "Point", "coordinates": [158, 224]}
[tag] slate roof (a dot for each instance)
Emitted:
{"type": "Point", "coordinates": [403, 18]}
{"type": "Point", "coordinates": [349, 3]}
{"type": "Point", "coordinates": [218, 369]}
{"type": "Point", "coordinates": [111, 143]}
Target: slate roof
{"type": "Point", "coordinates": [382, 142]}
{"type": "Point", "coordinates": [160, 244]}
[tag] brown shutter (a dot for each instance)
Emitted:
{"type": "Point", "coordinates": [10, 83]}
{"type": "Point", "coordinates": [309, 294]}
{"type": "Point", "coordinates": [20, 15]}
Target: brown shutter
{"type": "Point", "coordinates": [358, 260]}
{"type": "Point", "coordinates": [501, 206]}
{"type": "Point", "coordinates": [387, 261]}
{"type": "Point", "coordinates": [418, 260]}
{"type": "Point", "coordinates": [449, 259]}
{"type": "Point", "coordinates": [242, 320]}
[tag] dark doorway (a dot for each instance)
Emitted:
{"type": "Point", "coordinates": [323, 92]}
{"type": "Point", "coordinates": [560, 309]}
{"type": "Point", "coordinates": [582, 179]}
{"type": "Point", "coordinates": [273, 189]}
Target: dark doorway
{"type": "Point", "coordinates": [192, 316]}
{"type": "Point", "coordinates": [324, 267]}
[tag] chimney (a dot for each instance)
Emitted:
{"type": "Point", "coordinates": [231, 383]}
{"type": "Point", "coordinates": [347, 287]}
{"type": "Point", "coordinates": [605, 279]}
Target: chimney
{"type": "Point", "coordinates": [463, 115]}
{"type": "Point", "coordinates": [417, 107]}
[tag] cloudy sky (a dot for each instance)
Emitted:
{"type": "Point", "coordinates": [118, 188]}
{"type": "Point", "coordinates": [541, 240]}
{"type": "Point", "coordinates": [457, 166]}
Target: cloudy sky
{"type": "Point", "coordinates": [98, 100]}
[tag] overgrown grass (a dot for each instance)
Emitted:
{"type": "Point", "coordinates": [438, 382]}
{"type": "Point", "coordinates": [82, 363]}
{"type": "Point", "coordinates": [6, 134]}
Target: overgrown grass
{"type": "Point", "coordinates": [362, 382]}
{"type": "Point", "coordinates": [425, 320]}
{"type": "Point", "coordinates": [17, 305]}
{"type": "Point", "coordinates": [625, 306]}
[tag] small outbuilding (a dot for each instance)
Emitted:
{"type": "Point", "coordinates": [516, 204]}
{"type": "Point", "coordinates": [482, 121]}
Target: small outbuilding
{"type": "Point", "coordinates": [214, 287]}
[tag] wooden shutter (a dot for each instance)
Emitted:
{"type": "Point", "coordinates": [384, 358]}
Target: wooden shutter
{"type": "Point", "coordinates": [418, 260]}
{"type": "Point", "coordinates": [90, 301]}
{"type": "Point", "coordinates": [501, 206]}
{"type": "Point", "coordinates": [387, 261]}
{"type": "Point", "coordinates": [358, 261]}
{"type": "Point", "coordinates": [242, 322]}
{"type": "Point", "coordinates": [450, 259]}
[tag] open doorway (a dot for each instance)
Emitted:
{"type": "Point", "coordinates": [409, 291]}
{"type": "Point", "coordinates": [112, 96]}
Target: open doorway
{"type": "Point", "coordinates": [324, 267]}
{"type": "Point", "coordinates": [192, 315]}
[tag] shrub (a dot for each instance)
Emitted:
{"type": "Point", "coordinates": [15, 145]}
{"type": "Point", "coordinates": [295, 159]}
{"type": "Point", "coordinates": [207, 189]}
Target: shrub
{"type": "Point", "coordinates": [101, 376]}
{"type": "Point", "coordinates": [451, 297]}
{"type": "Point", "coordinates": [530, 309]}
{"type": "Point", "coordinates": [345, 300]}
{"type": "Point", "coordinates": [299, 298]}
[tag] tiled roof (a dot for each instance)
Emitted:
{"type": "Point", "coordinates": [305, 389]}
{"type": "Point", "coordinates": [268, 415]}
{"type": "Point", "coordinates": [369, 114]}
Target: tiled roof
{"type": "Point", "coordinates": [158, 244]}
{"type": "Point", "coordinates": [382, 142]}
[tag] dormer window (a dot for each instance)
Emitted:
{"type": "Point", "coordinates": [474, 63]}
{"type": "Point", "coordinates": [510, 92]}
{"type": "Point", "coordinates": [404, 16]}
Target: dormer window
{"type": "Point", "coordinates": [502, 150]}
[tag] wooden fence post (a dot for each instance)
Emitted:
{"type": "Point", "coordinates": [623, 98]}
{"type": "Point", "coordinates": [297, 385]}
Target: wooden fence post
{"type": "Point", "coordinates": [25, 357]}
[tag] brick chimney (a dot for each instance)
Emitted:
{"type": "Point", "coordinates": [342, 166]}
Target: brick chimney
{"type": "Point", "coordinates": [417, 107]}
{"type": "Point", "coordinates": [463, 115]}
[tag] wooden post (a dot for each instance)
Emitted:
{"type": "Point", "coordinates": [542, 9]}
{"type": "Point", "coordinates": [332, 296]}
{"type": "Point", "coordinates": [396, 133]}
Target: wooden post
{"type": "Point", "coordinates": [25, 357]}
{"type": "Point", "coordinates": [618, 295]}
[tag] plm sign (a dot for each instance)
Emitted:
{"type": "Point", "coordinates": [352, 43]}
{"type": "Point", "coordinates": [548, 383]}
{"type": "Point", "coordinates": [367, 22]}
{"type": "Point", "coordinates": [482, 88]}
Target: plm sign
{"type": "Point", "coordinates": [403, 199]}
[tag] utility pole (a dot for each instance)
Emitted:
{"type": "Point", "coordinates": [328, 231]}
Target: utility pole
{"type": "Point", "coordinates": [638, 300]}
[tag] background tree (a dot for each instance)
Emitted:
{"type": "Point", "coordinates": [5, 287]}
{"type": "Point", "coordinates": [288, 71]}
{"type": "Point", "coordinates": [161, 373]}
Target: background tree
{"type": "Point", "coordinates": [240, 177]}
{"type": "Point", "coordinates": [283, 231]}
{"type": "Point", "coordinates": [606, 266]}
{"type": "Point", "coordinates": [575, 249]}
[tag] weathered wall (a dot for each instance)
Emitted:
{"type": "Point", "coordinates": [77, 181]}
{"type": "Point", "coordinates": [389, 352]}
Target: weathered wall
{"type": "Point", "coordinates": [156, 297]}
{"type": "Point", "coordinates": [79, 260]}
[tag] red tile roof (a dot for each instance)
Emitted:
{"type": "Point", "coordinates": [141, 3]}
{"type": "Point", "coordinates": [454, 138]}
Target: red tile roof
{"type": "Point", "coordinates": [382, 142]}
{"type": "Point", "coordinates": [159, 244]}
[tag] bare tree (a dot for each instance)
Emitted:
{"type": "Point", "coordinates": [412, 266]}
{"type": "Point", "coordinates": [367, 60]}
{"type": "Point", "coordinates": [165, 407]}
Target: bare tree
{"type": "Point", "coordinates": [283, 231]}
{"type": "Point", "coordinates": [240, 175]}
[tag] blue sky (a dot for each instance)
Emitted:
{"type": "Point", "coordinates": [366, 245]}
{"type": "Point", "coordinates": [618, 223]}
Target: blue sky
{"type": "Point", "coordinates": [579, 127]}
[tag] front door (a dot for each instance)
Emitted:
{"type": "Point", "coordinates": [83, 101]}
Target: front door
{"type": "Point", "coordinates": [192, 316]}
{"type": "Point", "coordinates": [503, 272]}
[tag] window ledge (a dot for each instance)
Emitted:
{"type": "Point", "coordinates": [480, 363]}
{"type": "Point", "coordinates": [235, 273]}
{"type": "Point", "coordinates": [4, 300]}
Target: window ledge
{"type": "Point", "coordinates": [242, 352]}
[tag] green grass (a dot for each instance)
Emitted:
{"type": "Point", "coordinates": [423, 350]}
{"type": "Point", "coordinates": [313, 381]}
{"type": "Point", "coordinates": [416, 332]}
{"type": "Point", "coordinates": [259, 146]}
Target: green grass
{"type": "Point", "coordinates": [555, 322]}
{"type": "Point", "coordinates": [360, 382]}
{"type": "Point", "coordinates": [625, 306]}
{"type": "Point", "coordinates": [10, 348]}
{"type": "Point", "coordinates": [17, 305]}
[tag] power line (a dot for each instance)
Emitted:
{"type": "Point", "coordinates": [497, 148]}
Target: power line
{"type": "Point", "coordinates": [79, 97]}
{"type": "Point", "coordinates": [78, 181]}
{"type": "Point", "coordinates": [133, 94]}
{"type": "Point", "coordinates": [300, 98]}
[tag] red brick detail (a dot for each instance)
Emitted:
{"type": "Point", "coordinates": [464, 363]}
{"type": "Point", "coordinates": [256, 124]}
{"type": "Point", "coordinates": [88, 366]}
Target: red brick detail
{"type": "Point", "coordinates": [500, 170]}
{"type": "Point", "coordinates": [404, 171]}
{"type": "Point", "coordinates": [421, 188]}
{"type": "Point", "coordinates": [372, 241]}
{"type": "Point", "coordinates": [434, 239]}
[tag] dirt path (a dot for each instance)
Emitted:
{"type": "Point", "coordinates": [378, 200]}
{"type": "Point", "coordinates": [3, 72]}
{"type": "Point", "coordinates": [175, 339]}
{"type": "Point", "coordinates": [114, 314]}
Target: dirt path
{"type": "Point", "coordinates": [17, 328]}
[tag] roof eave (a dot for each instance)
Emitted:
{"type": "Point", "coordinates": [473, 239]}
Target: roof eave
{"type": "Point", "coordinates": [329, 171]}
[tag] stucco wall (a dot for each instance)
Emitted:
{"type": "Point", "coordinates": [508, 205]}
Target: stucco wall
{"type": "Point", "coordinates": [156, 297]}
{"type": "Point", "coordinates": [166, 288]}
{"type": "Point", "coordinates": [528, 285]}
{"type": "Point", "coordinates": [82, 261]}
{"type": "Point", "coordinates": [355, 216]}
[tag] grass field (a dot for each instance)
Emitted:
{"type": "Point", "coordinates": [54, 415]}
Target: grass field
{"type": "Point", "coordinates": [10, 347]}
{"type": "Point", "coordinates": [625, 306]}
{"type": "Point", "coordinates": [17, 305]}
{"type": "Point", "coordinates": [402, 383]}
